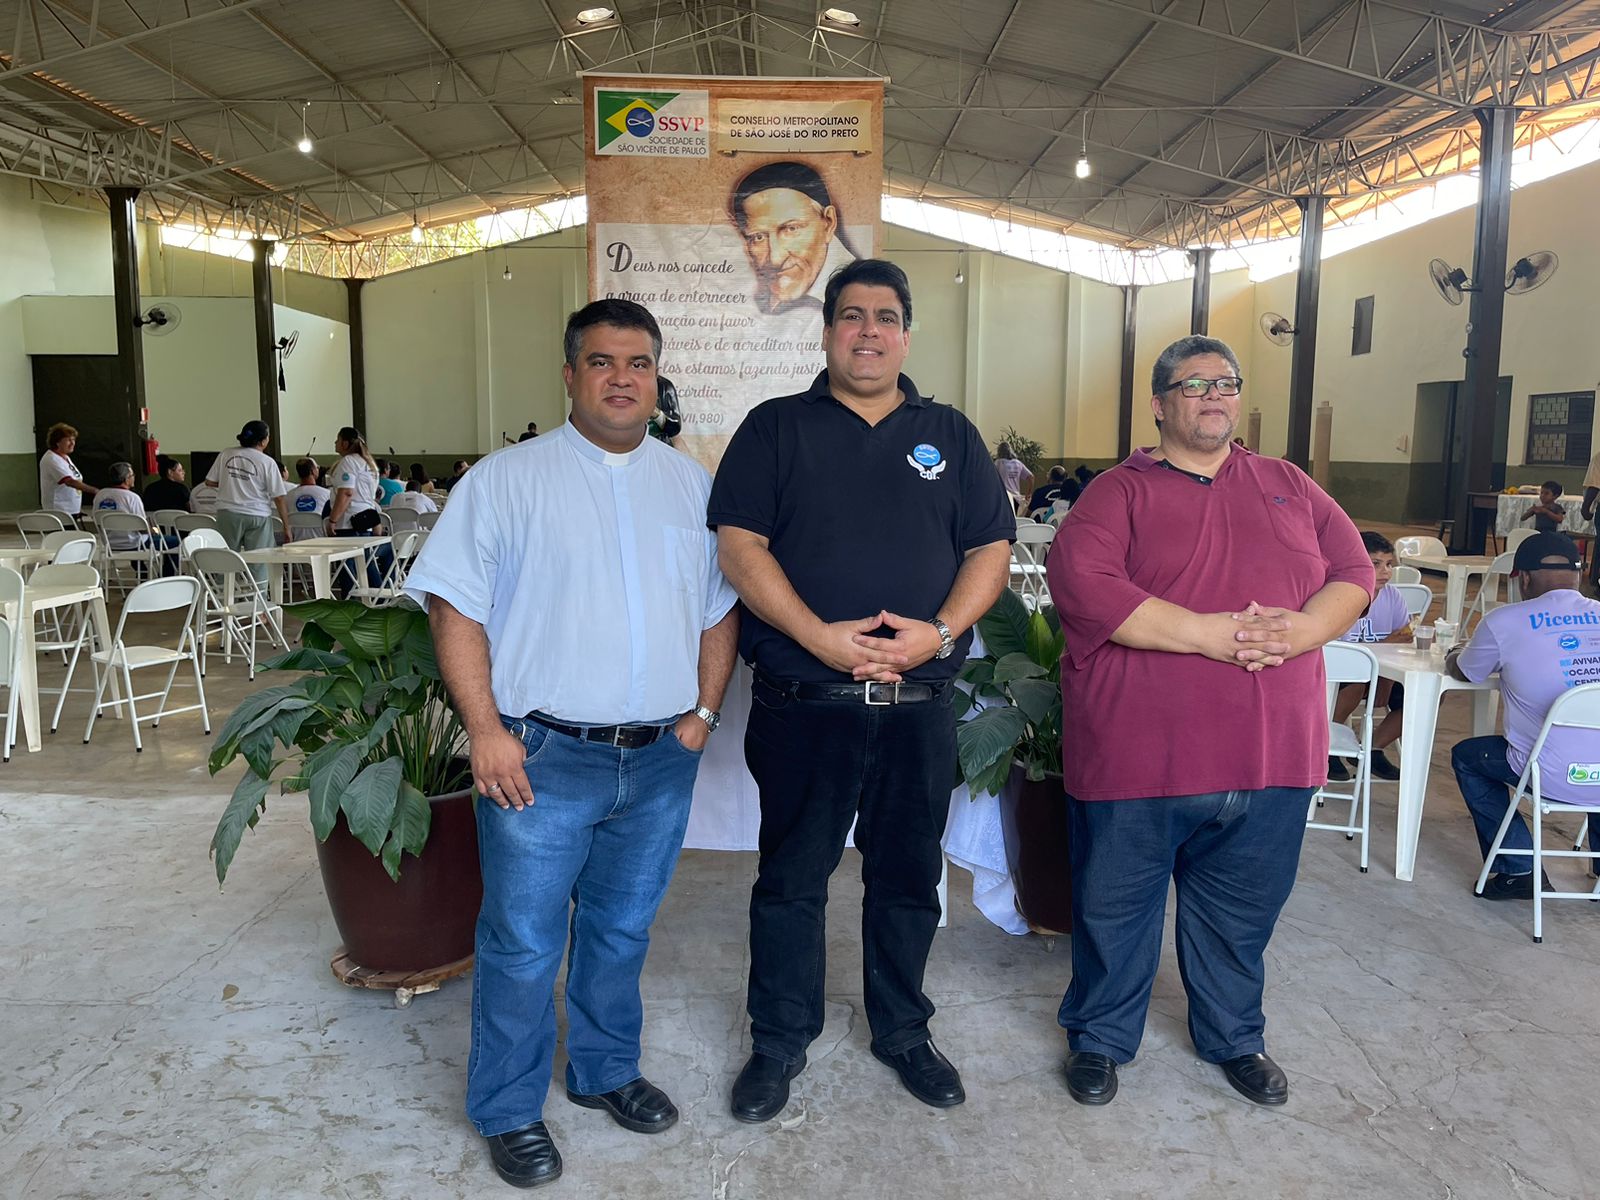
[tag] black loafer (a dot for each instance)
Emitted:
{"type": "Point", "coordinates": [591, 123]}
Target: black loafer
{"type": "Point", "coordinates": [1338, 772]}
{"type": "Point", "coordinates": [1091, 1077]}
{"type": "Point", "coordinates": [1512, 887]}
{"type": "Point", "coordinates": [525, 1157]}
{"type": "Point", "coordinates": [640, 1106]}
{"type": "Point", "coordinates": [1382, 768]}
{"type": "Point", "coordinates": [1257, 1078]}
{"type": "Point", "coordinates": [762, 1088]}
{"type": "Point", "coordinates": [927, 1074]}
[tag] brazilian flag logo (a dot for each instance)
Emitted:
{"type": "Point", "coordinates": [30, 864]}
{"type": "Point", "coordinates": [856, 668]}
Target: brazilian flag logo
{"type": "Point", "coordinates": [631, 113]}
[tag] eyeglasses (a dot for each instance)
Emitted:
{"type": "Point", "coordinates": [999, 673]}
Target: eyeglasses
{"type": "Point", "coordinates": [1228, 385]}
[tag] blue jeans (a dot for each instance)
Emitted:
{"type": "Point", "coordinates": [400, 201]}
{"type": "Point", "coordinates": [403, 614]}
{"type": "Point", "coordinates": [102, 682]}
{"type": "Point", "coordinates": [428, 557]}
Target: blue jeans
{"type": "Point", "coordinates": [1486, 779]}
{"type": "Point", "coordinates": [1233, 856]}
{"type": "Point", "coordinates": [581, 871]}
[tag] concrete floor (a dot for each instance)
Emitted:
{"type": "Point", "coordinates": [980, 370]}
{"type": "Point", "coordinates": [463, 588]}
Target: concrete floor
{"type": "Point", "coordinates": [161, 1039]}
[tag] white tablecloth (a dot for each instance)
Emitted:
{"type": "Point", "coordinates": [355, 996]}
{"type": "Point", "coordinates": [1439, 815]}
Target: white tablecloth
{"type": "Point", "coordinates": [727, 814]}
{"type": "Point", "coordinates": [1510, 510]}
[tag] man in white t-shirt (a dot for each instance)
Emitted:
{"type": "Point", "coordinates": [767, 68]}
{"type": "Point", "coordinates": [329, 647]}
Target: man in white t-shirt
{"type": "Point", "coordinates": [308, 497]}
{"type": "Point", "coordinates": [120, 497]}
{"type": "Point", "coordinates": [413, 499]}
{"type": "Point", "coordinates": [1543, 645]}
{"type": "Point", "coordinates": [203, 498]}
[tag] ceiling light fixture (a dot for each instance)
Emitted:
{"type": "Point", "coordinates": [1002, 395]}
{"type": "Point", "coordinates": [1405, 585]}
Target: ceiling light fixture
{"type": "Point", "coordinates": [1083, 168]}
{"type": "Point", "coordinates": [593, 16]}
{"type": "Point", "coordinates": [304, 145]}
{"type": "Point", "coordinates": [416, 230]}
{"type": "Point", "coordinates": [840, 16]}
{"type": "Point", "coordinates": [506, 274]}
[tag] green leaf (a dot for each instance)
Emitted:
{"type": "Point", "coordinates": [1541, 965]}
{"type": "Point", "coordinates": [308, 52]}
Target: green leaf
{"type": "Point", "coordinates": [418, 645]}
{"type": "Point", "coordinates": [286, 725]}
{"type": "Point", "coordinates": [381, 727]}
{"type": "Point", "coordinates": [330, 770]}
{"type": "Point", "coordinates": [226, 747]}
{"type": "Point", "coordinates": [995, 779]}
{"type": "Point", "coordinates": [1035, 697]}
{"type": "Point", "coordinates": [314, 637]}
{"type": "Point", "coordinates": [1005, 626]}
{"type": "Point", "coordinates": [978, 671]}
{"type": "Point", "coordinates": [408, 829]}
{"type": "Point", "coordinates": [368, 803]}
{"type": "Point", "coordinates": [377, 632]}
{"type": "Point", "coordinates": [1041, 641]}
{"type": "Point", "coordinates": [306, 658]}
{"type": "Point", "coordinates": [1017, 666]}
{"type": "Point", "coordinates": [256, 746]}
{"type": "Point", "coordinates": [961, 702]}
{"type": "Point", "coordinates": [989, 738]}
{"type": "Point", "coordinates": [243, 811]}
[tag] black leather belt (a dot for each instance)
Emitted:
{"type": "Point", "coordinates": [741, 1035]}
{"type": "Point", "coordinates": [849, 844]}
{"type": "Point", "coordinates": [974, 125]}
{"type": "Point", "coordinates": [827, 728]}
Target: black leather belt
{"type": "Point", "coordinates": [874, 694]}
{"type": "Point", "coordinates": [624, 737]}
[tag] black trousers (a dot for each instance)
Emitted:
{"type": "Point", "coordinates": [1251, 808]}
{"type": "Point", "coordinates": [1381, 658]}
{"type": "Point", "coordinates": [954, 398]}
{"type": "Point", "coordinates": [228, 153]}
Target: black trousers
{"type": "Point", "coordinates": [820, 765]}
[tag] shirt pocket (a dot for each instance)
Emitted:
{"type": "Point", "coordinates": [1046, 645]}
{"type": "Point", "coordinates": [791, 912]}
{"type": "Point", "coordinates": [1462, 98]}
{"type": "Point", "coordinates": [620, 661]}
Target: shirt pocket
{"type": "Point", "coordinates": [1291, 522]}
{"type": "Point", "coordinates": [685, 554]}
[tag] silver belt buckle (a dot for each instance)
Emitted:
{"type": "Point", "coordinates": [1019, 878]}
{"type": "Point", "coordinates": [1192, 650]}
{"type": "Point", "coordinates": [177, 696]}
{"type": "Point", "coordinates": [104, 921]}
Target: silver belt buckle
{"type": "Point", "coordinates": [866, 693]}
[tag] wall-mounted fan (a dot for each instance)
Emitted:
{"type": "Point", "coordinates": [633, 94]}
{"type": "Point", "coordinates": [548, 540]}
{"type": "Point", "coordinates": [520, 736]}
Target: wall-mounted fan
{"type": "Point", "coordinates": [1530, 271]}
{"type": "Point", "coordinates": [285, 347]}
{"type": "Point", "coordinates": [159, 319]}
{"type": "Point", "coordinates": [1450, 281]}
{"type": "Point", "coordinates": [1279, 330]}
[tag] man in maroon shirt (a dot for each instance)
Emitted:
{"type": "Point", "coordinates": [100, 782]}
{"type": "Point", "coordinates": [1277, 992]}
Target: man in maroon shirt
{"type": "Point", "coordinates": [1196, 583]}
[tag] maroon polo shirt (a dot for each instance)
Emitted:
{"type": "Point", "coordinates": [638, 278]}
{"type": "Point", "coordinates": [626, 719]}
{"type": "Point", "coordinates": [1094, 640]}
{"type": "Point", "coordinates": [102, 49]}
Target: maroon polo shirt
{"type": "Point", "coordinates": [1152, 723]}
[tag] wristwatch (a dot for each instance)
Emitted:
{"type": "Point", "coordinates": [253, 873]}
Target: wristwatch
{"type": "Point", "coordinates": [946, 642]}
{"type": "Point", "coordinates": [711, 717]}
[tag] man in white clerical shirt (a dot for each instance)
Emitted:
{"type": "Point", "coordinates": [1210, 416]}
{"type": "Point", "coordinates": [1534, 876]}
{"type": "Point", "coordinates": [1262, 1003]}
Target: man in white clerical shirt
{"type": "Point", "coordinates": [586, 636]}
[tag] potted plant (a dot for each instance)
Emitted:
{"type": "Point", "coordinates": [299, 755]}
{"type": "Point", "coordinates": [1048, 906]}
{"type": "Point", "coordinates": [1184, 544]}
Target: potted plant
{"type": "Point", "coordinates": [368, 733]}
{"type": "Point", "coordinates": [1011, 747]}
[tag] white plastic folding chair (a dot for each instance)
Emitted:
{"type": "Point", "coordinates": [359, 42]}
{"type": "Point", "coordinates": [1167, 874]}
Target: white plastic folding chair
{"type": "Point", "coordinates": [207, 622]}
{"type": "Point", "coordinates": [1419, 547]}
{"type": "Point", "coordinates": [1488, 597]}
{"type": "Point", "coordinates": [33, 526]}
{"type": "Point", "coordinates": [1517, 536]}
{"type": "Point", "coordinates": [233, 596]}
{"type": "Point", "coordinates": [1578, 708]}
{"type": "Point", "coordinates": [1350, 662]}
{"type": "Point", "coordinates": [62, 537]}
{"type": "Point", "coordinates": [304, 525]}
{"type": "Point", "coordinates": [1417, 597]}
{"type": "Point", "coordinates": [1028, 554]}
{"type": "Point", "coordinates": [402, 520]}
{"type": "Point", "coordinates": [141, 556]}
{"type": "Point", "coordinates": [389, 589]}
{"type": "Point", "coordinates": [1405, 575]}
{"type": "Point", "coordinates": [81, 549]}
{"type": "Point", "coordinates": [9, 664]}
{"type": "Point", "coordinates": [429, 520]}
{"type": "Point", "coordinates": [188, 522]}
{"type": "Point", "coordinates": [181, 594]}
{"type": "Point", "coordinates": [71, 628]}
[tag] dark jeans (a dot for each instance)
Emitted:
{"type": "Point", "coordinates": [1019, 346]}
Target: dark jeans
{"type": "Point", "coordinates": [378, 559]}
{"type": "Point", "coordinates": [1486, 780]}
{"type": "Point", "coordinates": [1233, 856]}
{"type": "Point", "coordinates": [819, 764]}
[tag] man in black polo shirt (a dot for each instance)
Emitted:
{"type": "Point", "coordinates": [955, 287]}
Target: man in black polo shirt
{"type": "Point", "coordinates": [865, 530]}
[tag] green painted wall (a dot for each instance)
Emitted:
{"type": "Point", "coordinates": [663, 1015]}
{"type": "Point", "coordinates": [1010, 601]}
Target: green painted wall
{"type": "Point", "coordinates": [19, 482]}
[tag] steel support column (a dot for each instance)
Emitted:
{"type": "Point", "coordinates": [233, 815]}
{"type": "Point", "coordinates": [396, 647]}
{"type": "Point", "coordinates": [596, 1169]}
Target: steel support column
{"type": "Point", "coordinates": [1485, 316]}
{"type": "Point", "coordinates": [266, 336]}
{"type": "Point", "coordinates": [130, 337]}
{"type": "Point", "coordinates": [1303, 366]}
{"type": "Point", "coordinates": [358, 361]}
{"type": "Point", "coordinates": [1200, 300]}
{"type": "Point", "coordinates": [1130, 315]}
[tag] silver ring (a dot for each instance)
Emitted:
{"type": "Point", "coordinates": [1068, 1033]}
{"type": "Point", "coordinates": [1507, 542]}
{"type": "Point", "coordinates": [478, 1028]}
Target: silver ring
{"type": "Point", "coordinates": [494, 787]}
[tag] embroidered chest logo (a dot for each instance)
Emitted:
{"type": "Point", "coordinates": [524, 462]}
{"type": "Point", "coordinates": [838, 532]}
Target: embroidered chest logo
{"type": "Point", "coordinates": [1280, 499]}
{"type": "Point", "coordinates": [927, 461]}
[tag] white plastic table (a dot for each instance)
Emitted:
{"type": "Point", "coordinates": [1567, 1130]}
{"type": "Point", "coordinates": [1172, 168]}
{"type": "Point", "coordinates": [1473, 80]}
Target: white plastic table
{"type": "Point", "coordinates": [20, 557]}
{"type": "Point", "coordinates": [36, 600]}
{"type": "Point", "coordinates": [319, 553]}
{"type": "Point", "coordinates": [1422, 674]}
{"type": "Point", "coordinates": [1456, 569]}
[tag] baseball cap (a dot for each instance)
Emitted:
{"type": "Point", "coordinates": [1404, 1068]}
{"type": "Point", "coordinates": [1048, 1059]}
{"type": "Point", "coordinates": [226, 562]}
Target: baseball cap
{"type": "Point", "coordinates": [1547, 552]}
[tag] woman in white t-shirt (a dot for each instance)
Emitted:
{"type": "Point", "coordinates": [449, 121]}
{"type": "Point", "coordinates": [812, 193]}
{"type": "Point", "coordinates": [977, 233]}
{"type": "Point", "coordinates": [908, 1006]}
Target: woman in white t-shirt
{"type": "Point", "coordinates": [61, 485]}
{"type": "Point", "coordinates": [354, 484]}
{"type": "Point", "coordinates": [249, 485]}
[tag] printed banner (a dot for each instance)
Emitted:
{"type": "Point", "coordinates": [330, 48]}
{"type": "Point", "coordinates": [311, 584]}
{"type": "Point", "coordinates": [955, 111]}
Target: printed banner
{"type": "Point", "coordinates": [723, 205]}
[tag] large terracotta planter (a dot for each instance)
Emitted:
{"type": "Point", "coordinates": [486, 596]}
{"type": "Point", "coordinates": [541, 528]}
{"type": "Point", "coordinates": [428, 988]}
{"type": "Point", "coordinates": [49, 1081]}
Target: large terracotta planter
{"type": "Point", "coordinates": [424, 920]}
{"type": "Point", "coordinates": [1033, 818]}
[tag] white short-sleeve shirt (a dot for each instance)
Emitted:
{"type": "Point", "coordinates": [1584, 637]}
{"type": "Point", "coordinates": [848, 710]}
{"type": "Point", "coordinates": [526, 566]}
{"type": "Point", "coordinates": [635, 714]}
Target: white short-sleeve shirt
{"type": "Point", "coordinates": [307, 498]}
{"type": "Point", "coordinates": [117, 499]}
{"type": "Point", "coordinates": [203, 498]}
{"type": "Point", "coordinates": [247, 481]}
{"type": "Point", "coordinates": [415, 501]}
{"type": "Point", "coordinates": [53, 468]}
{"type": "Point", "coordinates": [354, 472]}
{"type": "Point", "coordinates": [593, 575]}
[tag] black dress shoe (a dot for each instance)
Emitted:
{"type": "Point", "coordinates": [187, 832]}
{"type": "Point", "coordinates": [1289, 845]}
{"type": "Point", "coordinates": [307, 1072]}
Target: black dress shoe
{"type": "Point", "coordinates": [927, 1074]}
{"type": "Point", "coordinates": [1338, 772]}
{"type": "Point", "coordinates": [1382, 768]}
{"type": "Point", "coordinates": [762, 1088]}
{"type": "Point", "coordinates": [1257, 1078]}
{"type": "Point", "coordinates": [640, 1106]}
{"type": "Point", "coordinates": [1091, 1077]}
{"type": "Point", "coordinates": [1512, 887]}
{"type": "Point", "coordinates": [525, 1157]}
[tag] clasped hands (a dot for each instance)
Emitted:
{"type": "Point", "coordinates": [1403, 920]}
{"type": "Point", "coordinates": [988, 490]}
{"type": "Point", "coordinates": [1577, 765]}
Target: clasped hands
{"type": "Point", "coordinates": [850, 646]}
{"type": "Point", "coordinates": [1255, 638]}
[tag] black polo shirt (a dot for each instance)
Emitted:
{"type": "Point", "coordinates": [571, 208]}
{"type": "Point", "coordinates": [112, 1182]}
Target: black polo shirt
{"type": "Point", "coordinates": [860, 517]}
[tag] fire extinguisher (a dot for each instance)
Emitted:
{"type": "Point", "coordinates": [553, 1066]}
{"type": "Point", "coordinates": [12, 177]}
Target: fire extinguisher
{"type": "Point", "coordinates": [151, 447]}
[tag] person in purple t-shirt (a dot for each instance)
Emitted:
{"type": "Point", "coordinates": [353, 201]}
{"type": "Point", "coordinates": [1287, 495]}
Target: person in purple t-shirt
{"type": "Point", "coordinates": [1386, 619]}
{"type": "Point", "coordinates": [1542, 646]}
